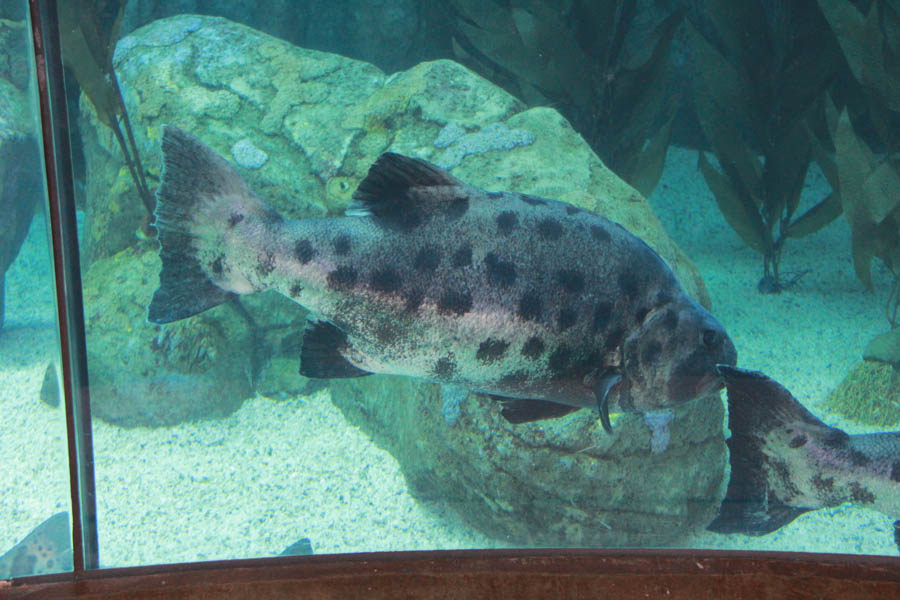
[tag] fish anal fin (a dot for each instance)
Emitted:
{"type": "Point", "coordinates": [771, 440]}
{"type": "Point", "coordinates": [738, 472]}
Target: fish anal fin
{"type": "Point", "coordinates": [321, 353]}
{"type": "Point", "coordinates": [517, 410]}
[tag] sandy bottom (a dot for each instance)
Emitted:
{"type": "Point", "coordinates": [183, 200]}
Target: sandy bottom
{"type": "Point", "coordinates": [278, 471]}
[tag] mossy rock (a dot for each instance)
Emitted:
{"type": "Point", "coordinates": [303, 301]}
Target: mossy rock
{"type": "Point", "coordinates": [869, 394]}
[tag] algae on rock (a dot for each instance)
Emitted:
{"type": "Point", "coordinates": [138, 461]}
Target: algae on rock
{"type": "Point", "coordinates": [869, 394]}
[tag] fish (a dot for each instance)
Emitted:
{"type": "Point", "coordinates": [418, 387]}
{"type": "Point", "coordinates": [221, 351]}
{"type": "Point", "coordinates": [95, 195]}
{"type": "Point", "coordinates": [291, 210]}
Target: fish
{"type": "Point", "coordinates": [786, 462]}
{"type": "Point", "coordinates": [21, 188]}
{"type": "Point", "coordinates": [547, 307]}
{"type": "Point", "coordinates": [46, 549]}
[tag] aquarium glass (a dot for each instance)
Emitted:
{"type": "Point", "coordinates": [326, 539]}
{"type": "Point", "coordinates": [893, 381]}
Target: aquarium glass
{"type": "Point", "coordinates": [35, 535]}
{"type": "Point", "coordinates": [311, 349]}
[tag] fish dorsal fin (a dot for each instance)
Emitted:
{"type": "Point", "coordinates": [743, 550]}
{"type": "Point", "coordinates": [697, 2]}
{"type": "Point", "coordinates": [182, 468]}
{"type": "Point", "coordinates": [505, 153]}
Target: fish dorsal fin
{"type": "Point", "coordinates": [385, 191]}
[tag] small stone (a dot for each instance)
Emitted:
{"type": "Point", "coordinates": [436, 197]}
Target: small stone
{"type": "Point", "coordinates": [247, 155]}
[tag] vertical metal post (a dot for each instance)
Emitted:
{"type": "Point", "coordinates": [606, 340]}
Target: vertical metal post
{"type": "Point", "coordinates": [67, 270]}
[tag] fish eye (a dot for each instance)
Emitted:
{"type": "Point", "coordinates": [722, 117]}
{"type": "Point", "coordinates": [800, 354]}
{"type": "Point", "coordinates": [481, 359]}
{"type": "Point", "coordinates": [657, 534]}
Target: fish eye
{"type": "Point", "coordinates": [710, 338]}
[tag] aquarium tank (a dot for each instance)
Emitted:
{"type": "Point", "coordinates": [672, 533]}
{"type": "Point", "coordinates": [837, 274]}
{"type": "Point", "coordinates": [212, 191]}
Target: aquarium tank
{"type": "Point", "coordinates": [311, 277]}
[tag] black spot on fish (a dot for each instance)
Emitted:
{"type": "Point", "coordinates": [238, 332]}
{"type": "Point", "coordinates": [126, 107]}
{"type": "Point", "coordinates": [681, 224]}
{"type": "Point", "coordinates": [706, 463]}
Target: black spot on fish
{"type": "Point", "coordinates": [532, 200]}
{"type": "Point", "coordinates": [491, 350]}
{"type": "Point", "coordinates": [304, 251]}
{"type": "Point", "coordinates": [458, 207]}
{"type": "Point", "coordinates": [217, 265]}
{"type": "Point", "coordinates": [670, 320]}
{"type": "Point", "coordinates": [572, 210]}
{"type": "Point", "coordinates": [628, 282]}
{"type": "Point", "coordinates": [234, 219]}
{"type": "Point", "coordinates": [507, 221]}
{"type": "Point", "coordinates": [342, 245]}
{"type": "Point", "coordinates": [859, 459]}
{"type": "Point", "coordinates": [895, 471]}
{"type": "Point", "coordinates": [514, 378]}
{"type": "Point", "coordinates": [495, 195]}
{"type": "Point", "coordinates": [265, 264]}
{"type": "Point", "coordinates": [836, 438]}
{"type": "Point", "coordinates": [342, 278]}
{"type": "Point", "coordinates": [567, 318]}
{"type": "Point", "coordinates": [533, 348]}
{"type": "Point", "coordinates": [296, 289]}
{"type": "Point", "coordinates": [602, 313]}
{"type": "Point", "coordinates": [462, 257]}
{"type": "Point", "coordinates": [530, 306]}
{"type": "Point", "coordinates": [614, 338]}
{"type": "Point", "coordinates": [798, 441]}
{"type": "Point", "coordinates": [414, 300]}
{"type": "Point", "coordinates": [651, 353]}
{"type": "Point", "coordinates": [560, 359]}
{"type": "Point", "coordinates": [386, 280]}
{"type": "Point", "coordinates": [427, 259]}
{"type": "Point", "coordinates": [500, 272]}
{"type": "Point", "coordinates": [386, 333]}
{"type": "Point", "coordinates": [861, 494]}
{"type": "Point", "coordinates": [571, 280]}
{"type": "Point", "coordinates": [824, 485]}
{"type": "Point", "coordinates": [550, 229]}
{"type": "Point", "coordinates": [599, 233]}
{"type": "Point", "coordinates": [456, 302]}
{"type": "Point", "coordinates": [444, 367]}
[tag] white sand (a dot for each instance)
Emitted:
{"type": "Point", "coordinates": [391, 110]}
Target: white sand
{"type": "Point", "coordinates": [274, 472]}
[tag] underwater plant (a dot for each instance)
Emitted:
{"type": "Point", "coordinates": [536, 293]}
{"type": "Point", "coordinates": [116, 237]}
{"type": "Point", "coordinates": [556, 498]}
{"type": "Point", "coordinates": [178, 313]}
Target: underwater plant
{"type": "Point", "coordinates": [574, 56]}
{"type": "Point", "coordinates": [866, 171]}
{"type": "Point", "coordinates": [869, 173]}
{"type": "Point", "coordinates": [763, 70]}
{"type": "Point", "coordinates": [89, 30]}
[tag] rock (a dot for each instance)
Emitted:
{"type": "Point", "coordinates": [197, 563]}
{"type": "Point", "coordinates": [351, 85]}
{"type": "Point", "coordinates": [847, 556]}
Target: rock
{"type": "Point", "coordinates": [142, 374]}
{"type": "Point", "coordinates": [327, 118]}
{"type": "Point", "coordinates": [322, 120]}
{"type": "Point", "coordinates": [561, 482]}
{"type": "Point", "coordinates": [869, 394]}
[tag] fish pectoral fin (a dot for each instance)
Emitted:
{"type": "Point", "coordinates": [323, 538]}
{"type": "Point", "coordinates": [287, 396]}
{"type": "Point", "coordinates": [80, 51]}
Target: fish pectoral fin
{"type": "Point", "coordinates": [601, 392]}
{"type": "Point", "coordinates": [321, 353]}
{"type": "Point", "coordinates": [517, 410]}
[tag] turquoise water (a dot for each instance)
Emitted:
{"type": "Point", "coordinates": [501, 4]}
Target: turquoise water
{"type": "Point", "coordinates": [208, 444]}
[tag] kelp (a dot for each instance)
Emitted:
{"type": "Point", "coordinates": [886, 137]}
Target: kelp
{"type": "Point", "coordinates": [573, 56]}
{"type": "Point", "coordinates": [763, 71]}
{"type": "Point", "coordinates": [89, 30]}
{"type": "Point", "coordinates": [869, 172]}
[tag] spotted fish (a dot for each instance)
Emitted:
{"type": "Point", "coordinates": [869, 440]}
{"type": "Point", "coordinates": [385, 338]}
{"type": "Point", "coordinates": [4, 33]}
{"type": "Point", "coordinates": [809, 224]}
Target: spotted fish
{"type": "Point", "coordinates": [785, 461]}
{"type": "Point", "coordinates": [546, 306]}
{"type": "Point", "coordinates": [46, 549]}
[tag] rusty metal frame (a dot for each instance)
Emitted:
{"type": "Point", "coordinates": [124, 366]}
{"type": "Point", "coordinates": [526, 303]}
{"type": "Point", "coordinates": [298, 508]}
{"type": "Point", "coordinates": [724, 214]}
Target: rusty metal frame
{"type": "Point", "coordinates": [469, 574]}
{"type": "Point", "coordinates": [67, 273]}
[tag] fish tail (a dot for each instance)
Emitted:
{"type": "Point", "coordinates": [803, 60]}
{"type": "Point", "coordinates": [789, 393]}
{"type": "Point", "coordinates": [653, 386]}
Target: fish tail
{"type": "Point", "coordinates": [201, 197]}
{"type": "Point", "coordinates": [758, 405]}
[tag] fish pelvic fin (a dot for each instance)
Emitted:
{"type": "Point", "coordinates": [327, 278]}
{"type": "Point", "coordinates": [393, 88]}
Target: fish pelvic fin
{"type": "Point", "coordinates": [201, 195]}
{"type": "Point", "coordinates": [517, 411]}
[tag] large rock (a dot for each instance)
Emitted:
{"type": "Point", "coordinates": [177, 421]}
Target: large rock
{"type": "Point", "coordinates": [144, 374]}
{"type": "Point", "coordinates": [303, 128]}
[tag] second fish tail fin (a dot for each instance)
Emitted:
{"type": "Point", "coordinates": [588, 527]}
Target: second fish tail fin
{"type": "Point", "coordinates": [758, 409]}
{"type": "Point", "coordinates": [201, 198]}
